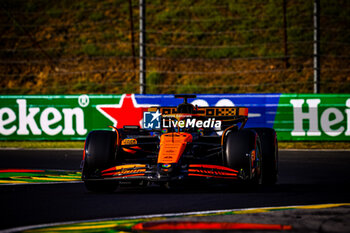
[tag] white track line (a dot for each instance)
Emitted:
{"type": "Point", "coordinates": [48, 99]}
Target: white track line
{"type": "Point", "coordinates": [25, 228]}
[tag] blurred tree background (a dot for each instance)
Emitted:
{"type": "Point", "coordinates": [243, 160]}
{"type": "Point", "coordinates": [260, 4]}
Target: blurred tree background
{"type": "Point", "coordinates": [193, 46]}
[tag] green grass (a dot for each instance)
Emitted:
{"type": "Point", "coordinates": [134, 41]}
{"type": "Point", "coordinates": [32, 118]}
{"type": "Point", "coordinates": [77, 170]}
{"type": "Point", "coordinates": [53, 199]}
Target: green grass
{"type": "Point", "coordinates": [314, 145]}
{"type": "Point", "coordinates": [154, 79]}
{"type": "Point", "coordinates": [96, 16]}
{"type": "Point", "coordinates": [42, 144]}
{"type": "Point", "coordinates": [87, 29]}
{"type": "Point", "coordinates": [80, 145]}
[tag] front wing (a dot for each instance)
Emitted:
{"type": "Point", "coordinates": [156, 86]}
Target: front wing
{"type": "Point", "coordinates": [155, 174]}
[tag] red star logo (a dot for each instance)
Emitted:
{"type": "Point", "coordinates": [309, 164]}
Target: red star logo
{"type": "Point", "coordinates": [127, 112]}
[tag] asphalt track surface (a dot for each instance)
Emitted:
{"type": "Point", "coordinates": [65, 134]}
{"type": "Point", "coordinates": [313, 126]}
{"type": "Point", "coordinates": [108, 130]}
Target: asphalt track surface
{"type": "Point", "coordinates": [306, 177]}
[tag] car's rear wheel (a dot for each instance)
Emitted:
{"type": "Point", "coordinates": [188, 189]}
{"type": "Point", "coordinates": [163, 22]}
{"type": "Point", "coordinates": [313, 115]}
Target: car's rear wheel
{"type": "Point", "coordinates": [100, 153]}
{"type": "Point", "coordinates": [269, 147]}
{"type": "Point", "coordinates": [242, 153]}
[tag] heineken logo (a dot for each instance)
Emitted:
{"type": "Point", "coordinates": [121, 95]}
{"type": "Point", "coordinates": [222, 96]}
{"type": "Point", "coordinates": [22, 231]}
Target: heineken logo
{"type": "Point", "coordinates": [29, 120]}
{"type": "Point", "coordinates": [310, 120]}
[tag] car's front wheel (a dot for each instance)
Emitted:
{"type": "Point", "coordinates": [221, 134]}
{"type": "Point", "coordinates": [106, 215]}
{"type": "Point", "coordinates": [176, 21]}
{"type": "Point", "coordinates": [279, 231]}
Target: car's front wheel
{"type": "Point", "coordinates": [100, 153]}
{"type": "Point", "coordinates": [243, 153]}
{"type": "Point", "coordinates": [269, 146]}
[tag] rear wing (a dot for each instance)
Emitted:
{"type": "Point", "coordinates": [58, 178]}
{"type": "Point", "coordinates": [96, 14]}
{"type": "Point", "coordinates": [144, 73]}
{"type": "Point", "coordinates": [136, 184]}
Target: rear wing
{"type": "Point", "coordinates": [220, 113]}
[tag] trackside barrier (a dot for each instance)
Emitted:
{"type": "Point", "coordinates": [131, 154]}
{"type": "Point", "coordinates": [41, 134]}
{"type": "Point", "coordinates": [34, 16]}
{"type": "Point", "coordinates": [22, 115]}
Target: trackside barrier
{"type": "Point", "coordinates": [295, 117]}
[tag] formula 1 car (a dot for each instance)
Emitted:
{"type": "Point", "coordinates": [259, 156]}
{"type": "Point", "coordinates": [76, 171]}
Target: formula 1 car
{"type": "Point", "coordinates": [192, 143]}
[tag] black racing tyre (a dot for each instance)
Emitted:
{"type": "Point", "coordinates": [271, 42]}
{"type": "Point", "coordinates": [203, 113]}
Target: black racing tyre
{"type": "Point", "coordinates": [100, 153]}
{"type": "Point", "coordinates": [238, 147]}
{"type": "Point", "coordinates": [269, 147]}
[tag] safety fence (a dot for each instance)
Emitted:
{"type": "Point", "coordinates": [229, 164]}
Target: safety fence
{"type": "Point", "coordinates": [191, 46]}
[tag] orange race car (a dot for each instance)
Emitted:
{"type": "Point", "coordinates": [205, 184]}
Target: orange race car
{"type": "Point", "coordinates": [179, 144]}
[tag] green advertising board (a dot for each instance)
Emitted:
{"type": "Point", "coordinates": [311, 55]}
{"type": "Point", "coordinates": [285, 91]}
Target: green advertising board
{"type": "Point", "coordinates": [310, 117]}
{"type": "Point", "coordinates": [295, 117]}
{"type": "Point", "coordinates": [52, 117]}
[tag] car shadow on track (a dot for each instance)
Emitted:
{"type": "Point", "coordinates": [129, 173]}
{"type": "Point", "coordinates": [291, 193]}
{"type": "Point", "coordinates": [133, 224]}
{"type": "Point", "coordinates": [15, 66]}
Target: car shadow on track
{"type": "Point", "coordinates": [331, 189]}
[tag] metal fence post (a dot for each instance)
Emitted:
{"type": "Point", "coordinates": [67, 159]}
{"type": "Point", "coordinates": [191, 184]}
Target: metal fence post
{"type": "Point", "coordinates": [285, 35]}
{"type": "Point", "coordinates": [132, 37]}
{"type": "Point", "coordinates": [142, 46]}
{"type": "Point", "coordinates": [317, 64]}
